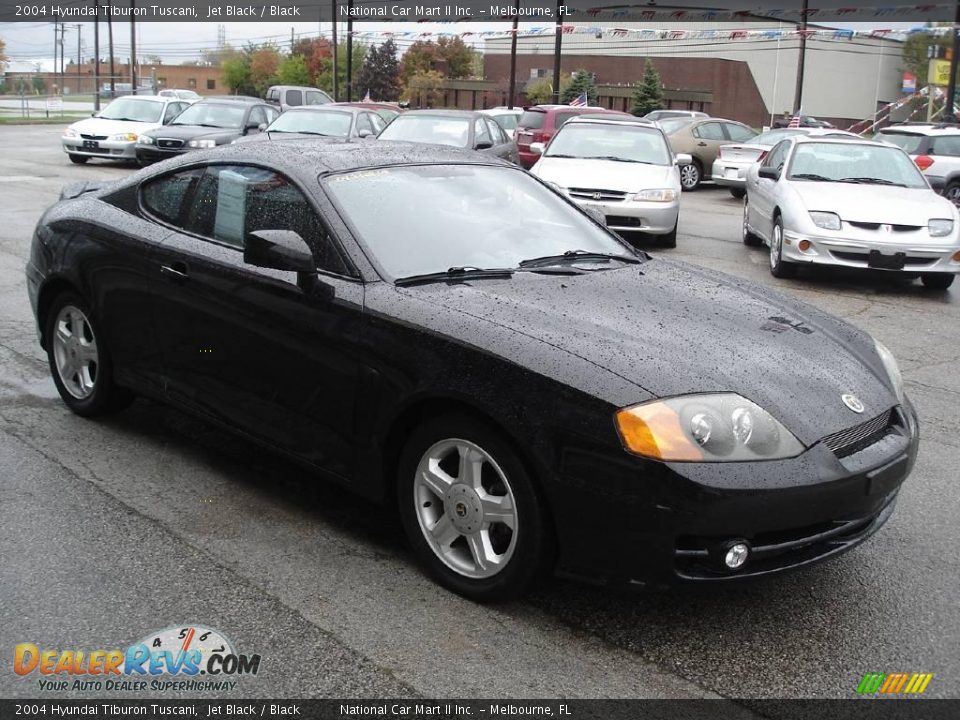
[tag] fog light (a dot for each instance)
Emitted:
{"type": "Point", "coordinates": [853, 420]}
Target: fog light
{"type": "Point", "coordinates": [956, 256]}
{"type": "Point", "coordinates": [736, 555]}
{"type": "Point", "coordinates": [804, 245]}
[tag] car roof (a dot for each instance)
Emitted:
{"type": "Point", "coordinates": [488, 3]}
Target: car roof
{"type": "Point", "coordinates": [807, 139]}
{"type": "Point", "coordinates": [611, 119]}
{"type": "Point", "coordinates": [147, 98]}
{"type": "Point", "coordinates": [440, 112]}
{"type": "Point", "coordinates": [231, 98]}
{"type": "Point", "coordinates": [923, 129]}
{"type": "Point", "coordinates": [327, 107]}
{"type": "Point", "coordinates": [548, 108]}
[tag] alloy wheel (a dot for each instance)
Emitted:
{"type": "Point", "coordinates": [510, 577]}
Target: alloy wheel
{"type": "Point", "coordinates": [689, 176]}
{"type": "Point", "coordinates": [466, 508]}
{"type": "Point", "coordinates": [75, 352]}
{"type": "Point", "coordinates": [776, 241]}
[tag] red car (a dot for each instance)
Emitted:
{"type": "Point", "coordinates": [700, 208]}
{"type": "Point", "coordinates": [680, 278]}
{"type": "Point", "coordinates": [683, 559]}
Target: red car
{"type": "Point", "coordinates": [388, 111]}
{"type": "Point", "coordinates": [541, 122]}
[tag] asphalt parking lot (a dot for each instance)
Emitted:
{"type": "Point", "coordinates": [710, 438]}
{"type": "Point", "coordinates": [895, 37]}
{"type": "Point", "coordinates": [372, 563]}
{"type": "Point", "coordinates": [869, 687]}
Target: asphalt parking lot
{"type": "Point", "coordinates": [110, 529]}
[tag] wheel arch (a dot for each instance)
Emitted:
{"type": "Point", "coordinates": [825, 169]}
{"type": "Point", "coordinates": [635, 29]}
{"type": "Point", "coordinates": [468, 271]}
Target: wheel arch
{"type": "Point", "coordinates": [49, 291]}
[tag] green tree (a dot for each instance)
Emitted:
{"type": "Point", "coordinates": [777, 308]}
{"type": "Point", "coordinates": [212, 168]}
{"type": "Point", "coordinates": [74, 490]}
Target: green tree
{"type": "Point", "coordinates": [426, 89]}
{"type": "Point", "coordinates": [264, 64]}
{"type": "Point", "coordinates": [293, 71]}
{"type": "Point", "coordinates": [3, 55]}
{"type": "Point", "coordinates": [540, 91]}
{"type": "Point", "coordinates": [914, 53]}
{"type": "Point", "coordinates": [581, 82]}
{"type": "Point", "coordinates": [314, 51]}
{"type": "Point", "coordinates": [39, 85]}
{"type": "Point", "coordinates": [420, 57]}
{"type": "Point", "coordinates": [649, 93]}
{"type": "Point", "coordinates": [236, 74]}
{"type": "Point", "coordinates": [380, 74]}
{"type": "Point", "coordinates": [457, 56]}
{"type": "Point", "coordinates": [324, 79]}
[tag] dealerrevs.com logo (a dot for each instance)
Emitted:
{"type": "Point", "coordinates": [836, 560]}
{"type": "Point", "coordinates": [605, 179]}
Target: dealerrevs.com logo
{"type": "Point", "coordinates": [188, 658]}
{"type": "Point", "coordinates": [889, 684]}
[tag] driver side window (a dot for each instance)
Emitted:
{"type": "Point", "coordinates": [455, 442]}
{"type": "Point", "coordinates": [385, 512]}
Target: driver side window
{"type": "Point", "coordinates": [481, 134]}
{"type": "Point", "coordinates": [777, 156]}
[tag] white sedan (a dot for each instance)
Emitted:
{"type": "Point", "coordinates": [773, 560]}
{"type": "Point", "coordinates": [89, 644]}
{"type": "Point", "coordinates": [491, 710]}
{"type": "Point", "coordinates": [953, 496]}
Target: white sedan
{"type": "Point", "coordinates": [112, 133]}
{"type": "Point", "coordinates": [853, 203]}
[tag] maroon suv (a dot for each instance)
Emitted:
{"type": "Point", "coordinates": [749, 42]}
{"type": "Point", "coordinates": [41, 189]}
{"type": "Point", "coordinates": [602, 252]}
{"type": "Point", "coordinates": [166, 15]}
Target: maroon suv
{"type": "Point", "coordinates": [541, 122]}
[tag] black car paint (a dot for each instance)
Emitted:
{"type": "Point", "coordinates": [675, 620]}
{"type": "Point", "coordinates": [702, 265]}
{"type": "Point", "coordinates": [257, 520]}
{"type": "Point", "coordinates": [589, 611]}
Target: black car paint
{"type": "Point", "coordinates": [348, 365]}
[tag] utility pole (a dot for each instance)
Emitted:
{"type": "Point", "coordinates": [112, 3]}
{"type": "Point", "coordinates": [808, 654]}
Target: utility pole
{"type": "Point", "coordinates": [349, 50]}
{"type": "Point", "coordinates": [96, 57]}
{"type": "Point", "coordinates": [79, 28]}
{"type": "Point", "coordinates": [56, 40]}
{"type": "Point", "coordinates": [63, 30]}
{"type": "Point", "coordinates": [952, 87]}
{"type": "Point", "coordinates": [801, 60]}
{"type": "Point", "coordinates": [113, 72]}
{"type": "Point", "coordinates": [513, 55]}
{"type": "Point", "coordinates": [333, 30]}
{"type": "Point", "coordinates": [133, 46]}
{"type": "Point", "coordinates": [556, 55]}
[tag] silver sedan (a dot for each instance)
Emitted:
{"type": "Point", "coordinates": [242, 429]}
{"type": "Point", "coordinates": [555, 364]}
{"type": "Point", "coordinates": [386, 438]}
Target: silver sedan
{"type": "Point", "coordinates": [853, 203]}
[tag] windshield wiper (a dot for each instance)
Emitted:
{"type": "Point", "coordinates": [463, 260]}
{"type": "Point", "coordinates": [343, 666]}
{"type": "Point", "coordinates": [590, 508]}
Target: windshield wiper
{"type": "Point", "coordinates": [460, 272]}
{"type": "Point", "coordinates": [558, 155]}
{"type": "Point", "coordinates": [123, 119]}
{"type": "Point", "coordinates": [811, 176]}
{"type": "Point", "coordinates": [617, 159]}
{"type": "Point", "coordinates": [576, 256]}
{"type": "Point", "coordinates": [870, 181]}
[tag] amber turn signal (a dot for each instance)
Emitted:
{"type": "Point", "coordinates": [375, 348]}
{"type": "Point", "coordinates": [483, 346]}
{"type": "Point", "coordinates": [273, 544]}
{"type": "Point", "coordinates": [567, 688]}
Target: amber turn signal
{"type": "Point", "coordinates": [653, 430]}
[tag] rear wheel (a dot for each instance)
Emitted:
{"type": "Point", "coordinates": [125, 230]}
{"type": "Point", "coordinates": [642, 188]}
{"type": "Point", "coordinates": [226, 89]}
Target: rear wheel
{"type": "Point", "coordinates": [78, 159]}
{"type": "Point", "coordinates": [79, 359]}
{"type": "Point", "coordinates": [748, 237]}
{"type": "Point", "coordinates": [470, 509]}
{"type": "Point", "coordinates": [937, 281]}
{"type": "Point", "coordinates": [690, 176]}
{"type": "Point", "coordinates": [779, 268]}
{"type": "Point", "coordinates": [738, 193]}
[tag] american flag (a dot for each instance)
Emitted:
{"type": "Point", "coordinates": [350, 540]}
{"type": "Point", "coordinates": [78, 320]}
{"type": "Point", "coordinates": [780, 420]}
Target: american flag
{"type": "Point", "coordinates": [366, 98]}
{"type": "Point", "coordinates": [579, 101]}
{"type": "Point", "coordinates": [794, 121]}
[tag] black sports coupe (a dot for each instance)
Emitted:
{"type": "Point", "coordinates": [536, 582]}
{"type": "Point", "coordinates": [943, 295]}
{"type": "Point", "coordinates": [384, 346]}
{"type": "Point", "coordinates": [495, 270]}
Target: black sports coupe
{"type": "Point", "coordinates": [440, 330]}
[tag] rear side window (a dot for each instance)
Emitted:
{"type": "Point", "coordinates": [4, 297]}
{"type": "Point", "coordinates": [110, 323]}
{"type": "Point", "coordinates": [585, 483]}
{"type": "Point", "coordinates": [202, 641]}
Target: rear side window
{"type": "Point", "coordinates": [294, 98]}
{"type": "Point", "coordinates": [317, 98]}
{"type": "Point", "coordinates": [710, 131]}
{"type": "Point", "coordinates": [532, 119]}
{"type": "Point", "coordinates": [163, 197]}
{"type": "Point", "coordinates": [947, 145]}
{"type": "Point", "coordinates": [561, 117]}
{"type": "Point", "coordinates": [910, 144]}
{"type": "Point", "coordinates": [739, 133]}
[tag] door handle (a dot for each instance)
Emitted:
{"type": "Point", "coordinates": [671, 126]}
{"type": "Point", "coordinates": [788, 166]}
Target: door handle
{"type": "Point", "coordinates": [176, 271]}
{"type": "Point", "coordinates": [702, 143]}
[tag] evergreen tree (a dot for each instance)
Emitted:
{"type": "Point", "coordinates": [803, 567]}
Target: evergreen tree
{"type": "Point", "coordinates": [581, 82]}
{"type": "Point", "coordinates": [380, 74]}
{"type": "Point", "coordinates": [649, 94]}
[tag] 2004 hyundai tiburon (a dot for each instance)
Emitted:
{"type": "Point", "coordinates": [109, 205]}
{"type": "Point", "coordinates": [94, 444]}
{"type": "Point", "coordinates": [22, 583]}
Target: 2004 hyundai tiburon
{"type": "Point", "coordinates": [529, 392]}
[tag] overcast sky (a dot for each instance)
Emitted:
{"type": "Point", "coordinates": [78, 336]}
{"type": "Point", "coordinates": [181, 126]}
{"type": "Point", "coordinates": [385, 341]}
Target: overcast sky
{"type": "Point", "coordinates": [32, 43]}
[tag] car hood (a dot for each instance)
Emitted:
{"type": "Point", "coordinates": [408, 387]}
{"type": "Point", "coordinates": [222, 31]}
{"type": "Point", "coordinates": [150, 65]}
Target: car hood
{"type": "Point", "coordinates": [195, 132]}
{"type": "Point", "coordinates": [102, 126]}
{"type": "Point", "coordinates": [604, 174]}
{"type": "Point", "coordinates": [874, 203]}
{"type": "Point", "coordinates": [673, 329]}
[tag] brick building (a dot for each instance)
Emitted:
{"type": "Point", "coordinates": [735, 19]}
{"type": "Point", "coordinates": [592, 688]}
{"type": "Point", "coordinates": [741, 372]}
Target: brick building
{"type": "Point", "coordinates": [79, 80]}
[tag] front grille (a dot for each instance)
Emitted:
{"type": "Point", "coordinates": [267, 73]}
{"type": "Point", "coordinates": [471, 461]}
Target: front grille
{"type": "Point", "coordinates": [876, 226]}
{"type": "Point", "coordinates": [597, 194]}
{"type": "Point", "coordinates": [93, 137]}
{"type": "Point", "coordinates": [170, 144]}
{"type": "Point", "coordinates": [856, 438]}
{"type": "Point", "coordinates": [623, 221]}
{"type": "Point", "coordinates": [862, 258]}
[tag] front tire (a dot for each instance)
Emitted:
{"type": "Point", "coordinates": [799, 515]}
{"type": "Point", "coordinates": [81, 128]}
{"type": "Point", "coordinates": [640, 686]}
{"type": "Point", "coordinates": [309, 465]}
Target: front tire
{"type": "Point", "coordinates": [937, 281]}
{"type": "Point", "coordinates": [779, 267]}
{"type": "Point", "coordinates": [738, 193]}
{"type": "Point", "coordinates": [667, 241]}
{"type": "Point", "coordinates": [79, 359]}
{"type": "Point", "coordinates": [471, 511]}
{"type": "Point", "coordinates": [749, 238]}
{"type": "Point", "coordinates": [691, 176]}
{"type": "Point", "coordinates": [77, 159]}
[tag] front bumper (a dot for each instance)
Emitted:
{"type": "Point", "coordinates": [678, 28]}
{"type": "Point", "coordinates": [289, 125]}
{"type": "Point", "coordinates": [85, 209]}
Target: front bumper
{"type": "Point", "coordinates": [920, 255]}
{"type": "Point", "coordinates": [655, 218]}
{"type": "Point", "coordinates": [668, 524]}
{"type": "Point", "coordinates": [107, 149]}
{"type": "Point", "coordinates": [730, 173]}
{"type": "Point", "coordinates": [152, 153]}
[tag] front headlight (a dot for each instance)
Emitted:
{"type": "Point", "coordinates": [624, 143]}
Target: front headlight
{"type": "Point", "coordinates": [657, 195]}
{"type": "Point", "coordinates": [939, 227]}
{"type": "Point", "coordinates": [202, 143]}
{"type": "Point", "coordinates": [893, 370]}
{"type": "Point", "coordinates": [825, 220]}
{"type": "Point", "coordinates": [145, 140]}
{"type": "Point", "coordinates": [71, 132]}
{"type": "Point", "coordinates": [717, 427]}
{"type": "Point", "coordinates": [124, 137]}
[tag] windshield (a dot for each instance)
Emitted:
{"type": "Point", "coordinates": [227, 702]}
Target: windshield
{"type": "Point", "coordinates": [772, 137]}
{"type": "Point", "coordinates": [671, 125]}
{"type": "Point", "coordinates": [614, 142]}
{"type": "Point", "coordinates": [211, 115]}
{"type": "Point", "coordinates": [506, 121]}
{"type": "Point", "coordinates": [321, 122]}
{"type": "Point", "coordinates": [431, 218]}
{"type": "Point", "coordinates": [147, 111]}
{"type": "Point", "coordinates": [854, 161]}
{"type": "Point", "coordinates": [905, 141]}
{"type": "Point", "coordinates": [435, 129]}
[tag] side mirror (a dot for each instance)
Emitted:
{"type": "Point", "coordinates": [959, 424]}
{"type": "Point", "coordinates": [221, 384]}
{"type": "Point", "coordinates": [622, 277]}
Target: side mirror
{"type": "Point", "coordinates": [279, 250]}
{"type": "Point", "coordinates": [94, 114]}
{"type": "Point", "coordinates": [482, 145]}
{"type": "Point", "coordinates": [364, 133]}
{"type": "Point", "coordinates": [537, 148]}
{"type": "Point", "coordinates": [261, 127]}
{"type": "Point", "coordinates": [768, 172]}
{"type": "Point", "coordinates": [596, 213]}
{"type": "Point", "coordinates": [251, 127]}
{"type": "Point", "coordinates": [683, 159]}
